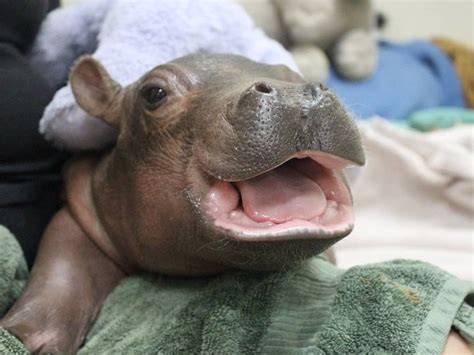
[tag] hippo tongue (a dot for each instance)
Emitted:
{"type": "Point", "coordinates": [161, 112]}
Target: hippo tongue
{"type": "Point", "coordinates": [281, 195]}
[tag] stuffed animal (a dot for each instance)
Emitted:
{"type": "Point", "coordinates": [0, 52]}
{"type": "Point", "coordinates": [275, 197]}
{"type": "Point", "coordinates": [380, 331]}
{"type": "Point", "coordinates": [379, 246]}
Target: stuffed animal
{"type": "Point", "coordinates": [130, 37]}
{"type": "Point", "coordinates": [320, 32]}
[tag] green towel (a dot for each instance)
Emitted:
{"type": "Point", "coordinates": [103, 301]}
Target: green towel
{"type": "Point", "coordinates": [394, 307]}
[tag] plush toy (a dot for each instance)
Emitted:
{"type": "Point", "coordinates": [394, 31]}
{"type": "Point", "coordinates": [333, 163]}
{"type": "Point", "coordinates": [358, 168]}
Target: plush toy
{"type": "Point", "coordinates": [130, 37]}
{"type": "Point", "coordinates": [320, 32]}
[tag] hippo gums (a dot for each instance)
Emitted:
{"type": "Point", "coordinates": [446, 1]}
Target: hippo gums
{"type": "Point", "coordinates": [220, 163]}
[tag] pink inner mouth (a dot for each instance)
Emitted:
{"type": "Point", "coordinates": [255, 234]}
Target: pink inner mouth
{"type": "Point", "coordinates": [299, 196]}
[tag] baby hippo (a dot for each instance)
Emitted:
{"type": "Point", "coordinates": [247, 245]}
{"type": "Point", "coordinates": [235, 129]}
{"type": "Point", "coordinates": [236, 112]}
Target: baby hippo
{"type": "Point", "coordinates": [220, 163]}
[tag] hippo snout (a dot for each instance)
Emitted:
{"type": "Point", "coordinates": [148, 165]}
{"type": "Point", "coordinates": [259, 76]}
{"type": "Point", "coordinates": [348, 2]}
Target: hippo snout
{"type": "Point", "coordinates": [272, 121]}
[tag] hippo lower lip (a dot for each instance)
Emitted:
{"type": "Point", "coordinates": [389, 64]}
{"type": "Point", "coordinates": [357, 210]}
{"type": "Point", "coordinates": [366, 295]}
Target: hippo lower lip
{"type": "Point", "coordinates": [303, 198]}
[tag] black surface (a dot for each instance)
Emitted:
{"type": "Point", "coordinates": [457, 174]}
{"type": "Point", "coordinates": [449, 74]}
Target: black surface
{"type": "Point", "coordinates": [30, 183]}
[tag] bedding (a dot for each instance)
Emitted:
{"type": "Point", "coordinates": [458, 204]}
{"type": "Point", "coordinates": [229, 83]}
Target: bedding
{"type": "Point", "coordinates": [414, 198]}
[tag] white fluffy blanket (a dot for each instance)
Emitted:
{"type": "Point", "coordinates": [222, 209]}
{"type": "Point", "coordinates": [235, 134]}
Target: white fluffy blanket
{"type": "Point", "coordinates": [414, 199]}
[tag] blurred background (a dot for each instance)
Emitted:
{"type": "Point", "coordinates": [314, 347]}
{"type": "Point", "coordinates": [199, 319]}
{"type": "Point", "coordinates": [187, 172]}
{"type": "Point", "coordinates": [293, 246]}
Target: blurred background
{"type": "Point", "coordinates": [409, 19]}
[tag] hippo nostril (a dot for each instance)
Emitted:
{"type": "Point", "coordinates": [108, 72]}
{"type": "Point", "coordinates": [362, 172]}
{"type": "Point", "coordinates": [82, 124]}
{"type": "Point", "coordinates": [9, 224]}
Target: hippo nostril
{"type": "Point", "coordinates": [263, 88]}
{"type": "Point", "coordinates": [317, 90]}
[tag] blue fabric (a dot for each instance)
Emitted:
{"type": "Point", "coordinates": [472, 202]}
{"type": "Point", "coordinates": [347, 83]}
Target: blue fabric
{"type": "Point", "coordinates": [409, 77]}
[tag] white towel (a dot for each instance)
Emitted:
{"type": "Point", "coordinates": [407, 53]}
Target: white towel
{"type": "Point", "coordinates": [414, 199]}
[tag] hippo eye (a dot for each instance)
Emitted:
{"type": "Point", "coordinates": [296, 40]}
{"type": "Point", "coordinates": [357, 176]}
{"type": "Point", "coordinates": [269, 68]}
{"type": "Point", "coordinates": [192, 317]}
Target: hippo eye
{"type": "Point", "coordinates": [154, 95]}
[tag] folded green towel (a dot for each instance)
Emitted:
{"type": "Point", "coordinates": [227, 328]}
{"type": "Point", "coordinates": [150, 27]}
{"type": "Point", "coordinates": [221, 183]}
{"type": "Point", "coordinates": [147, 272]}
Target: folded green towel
{"type": "Point", "coordinates": [400, 306]}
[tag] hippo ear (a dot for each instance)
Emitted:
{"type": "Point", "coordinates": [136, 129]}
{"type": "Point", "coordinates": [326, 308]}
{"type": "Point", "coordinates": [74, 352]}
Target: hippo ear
{"type": "Point", "coordinates": [95, 91]}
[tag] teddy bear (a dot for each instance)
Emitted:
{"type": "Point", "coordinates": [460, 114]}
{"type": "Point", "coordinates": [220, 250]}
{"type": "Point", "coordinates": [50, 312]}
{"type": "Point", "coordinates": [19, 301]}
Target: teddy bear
{"type": "Point", "coordinates": [322, 32]}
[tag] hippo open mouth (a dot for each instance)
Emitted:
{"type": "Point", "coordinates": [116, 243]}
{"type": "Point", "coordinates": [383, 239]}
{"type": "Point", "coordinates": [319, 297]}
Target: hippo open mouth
{"type": "Point", "coordinates": [274, 159]}
{"type": "Point", "coordinates": [305, 197]}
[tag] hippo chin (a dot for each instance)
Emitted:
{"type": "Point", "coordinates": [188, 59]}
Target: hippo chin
{"type": "Point", "coordinates": [220, 163]}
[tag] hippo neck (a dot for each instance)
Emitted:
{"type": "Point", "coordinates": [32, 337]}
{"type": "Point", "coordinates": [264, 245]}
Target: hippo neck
{"type": "Point", "coordinates": [80, 190]}
{"type": "Point", "coordinates": [110, 189]}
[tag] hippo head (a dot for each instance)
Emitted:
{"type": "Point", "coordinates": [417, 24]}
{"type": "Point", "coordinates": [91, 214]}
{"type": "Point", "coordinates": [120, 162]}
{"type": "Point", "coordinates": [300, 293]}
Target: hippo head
{"type": "Point", "coordinates": [224, 163]}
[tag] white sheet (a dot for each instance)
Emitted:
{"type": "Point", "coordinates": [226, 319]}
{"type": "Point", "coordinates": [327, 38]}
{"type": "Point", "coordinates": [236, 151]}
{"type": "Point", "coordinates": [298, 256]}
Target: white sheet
{"type": "Point", "coordinates": [414, 199]}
